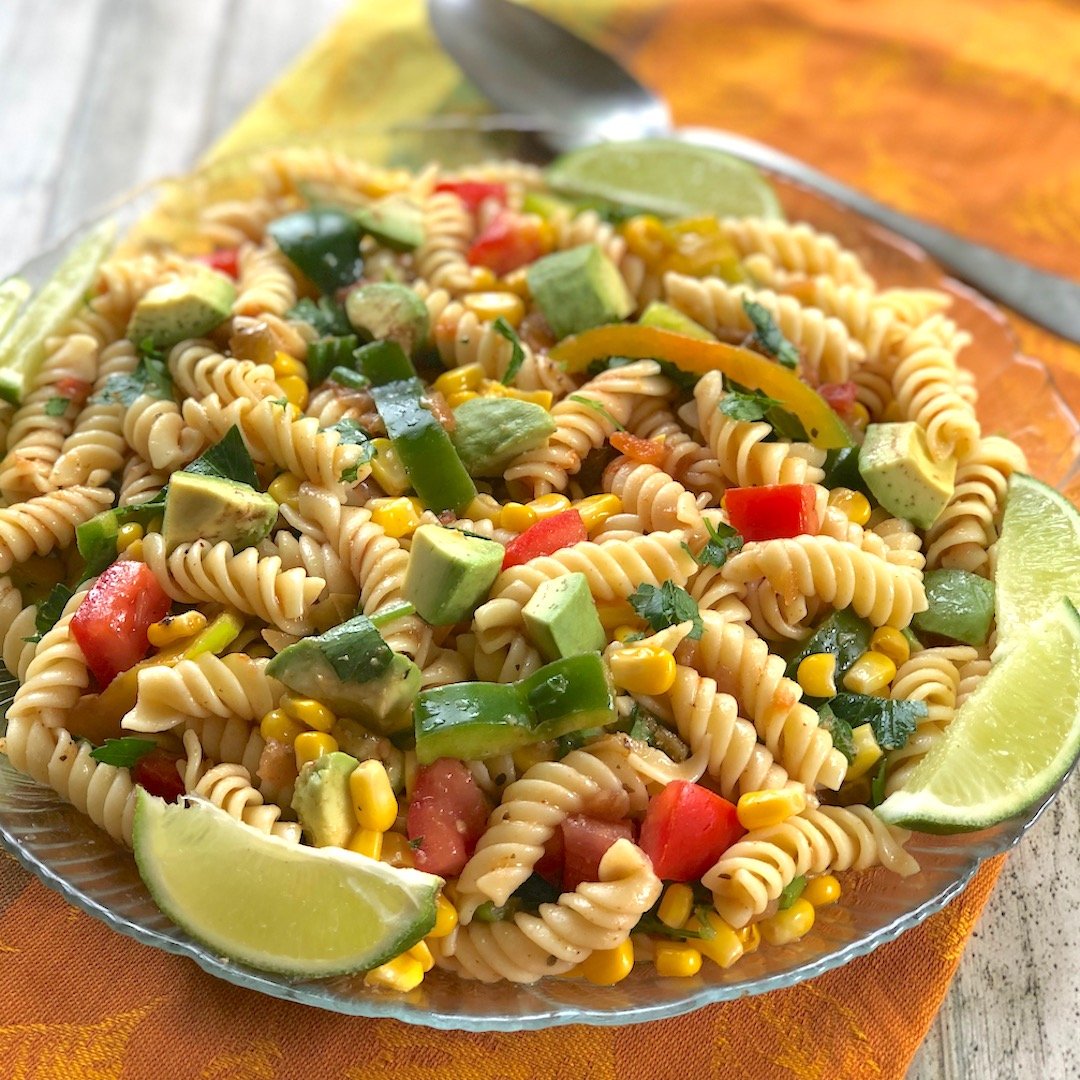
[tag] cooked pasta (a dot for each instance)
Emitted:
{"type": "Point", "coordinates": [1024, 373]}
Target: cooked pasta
{"type": "Point", "coordinates": [46, 522]}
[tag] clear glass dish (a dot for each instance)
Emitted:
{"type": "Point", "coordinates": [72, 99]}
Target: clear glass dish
{"type": "Point", "coordinates": [1017, 398]}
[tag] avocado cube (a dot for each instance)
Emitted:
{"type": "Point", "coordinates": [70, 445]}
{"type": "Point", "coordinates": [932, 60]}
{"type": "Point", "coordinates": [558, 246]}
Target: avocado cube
{"type": "Point", "coordinates": [322, 800]}
{"type": "Point", "coordinates": [395, 222]}
{"type": "Point", "coordinates": [562, 620]}
{"type": "Point", "coordinates": [450, 573]}
{"type": "Point", "coordinates": [896, 463]}
{"type": "Point", "coordinates": [387, 311]}
{"type": "Point", "coordinates": [187, 307]}
{"type": "Point", "coordinates": [961, 606]}
{"type": "Point", "coordinates": [489, 432]}
{"type": "Point", "coordinates": [665, 317]}
{"type": "Point", "coordinates": [212, 508]}
{"type": "Point", "coordinates": [579, 289]}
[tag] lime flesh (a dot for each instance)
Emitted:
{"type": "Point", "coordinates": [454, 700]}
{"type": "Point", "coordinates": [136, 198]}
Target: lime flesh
{"type": "Point", "coordinates": [1010, 742]}
{"type": "Point", "coordinates": [1038, 556]}
{"type": "Point", "coordinates": [665, 177]}
{"type": "Point", "coordinates": [13, 294]}
{"type": "Point", "coordinates": [23, 347]}
{"type": "Point", "coordinates": [302, 911]}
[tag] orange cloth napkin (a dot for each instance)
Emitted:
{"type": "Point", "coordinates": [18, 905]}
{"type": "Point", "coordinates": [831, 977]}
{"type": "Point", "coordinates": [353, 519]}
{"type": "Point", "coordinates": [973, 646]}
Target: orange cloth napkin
{"type": "Point", "coordinates": [912, 101]}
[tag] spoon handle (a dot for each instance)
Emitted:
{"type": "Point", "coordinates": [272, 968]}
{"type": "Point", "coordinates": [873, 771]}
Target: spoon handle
{"type": "Point", "coordinates": [1048, 299]}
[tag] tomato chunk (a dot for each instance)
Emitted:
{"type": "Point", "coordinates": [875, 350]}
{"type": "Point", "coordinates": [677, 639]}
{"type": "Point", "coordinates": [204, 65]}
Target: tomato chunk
{"type": "Point", "coordinates": [157, 772]}
{"type": "Point", "coordinates": [474, 193]}
{"type": "Point", "coordinates": [446, 817]}
{"type": "Point", "coordinates": [547, 535]}
{"type": "Point", "coordinates": [506, 243]}
{"type": "Point", "coordinates": [772, 512]}
{"type": "Point", "coordinates": [637, 449]}
{"type": "Point", "coordinates": [77, 390]}
{"type": "Point", "coordinates": [840, 396]}
{"type": "Point", "coordinates": [111, 623]}
{"type": "Point", "coordinates": [585, 840]}
{"type": "Point", "coordinates": [686, 829]}
{"type": "Point", "coordinates": [224, 261]}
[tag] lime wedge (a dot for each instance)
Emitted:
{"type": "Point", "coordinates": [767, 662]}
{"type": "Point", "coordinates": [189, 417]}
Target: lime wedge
{"type": "Point", "coordinates": [1010, 742]}
{"type": "Point", "coordinates": [22, 348]}
{"type": "Point", "coordinates": [1038, 556]}
{"type": "Point", "coordinates": [13, 294]}
{"type": "Point", "coordinates": [665, 177]}
{"type": "Point", "coordinates": [301, 911]}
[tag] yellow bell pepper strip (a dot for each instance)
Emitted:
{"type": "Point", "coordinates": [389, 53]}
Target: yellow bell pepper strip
{"type": "Point", "coordinates": [749, 369]}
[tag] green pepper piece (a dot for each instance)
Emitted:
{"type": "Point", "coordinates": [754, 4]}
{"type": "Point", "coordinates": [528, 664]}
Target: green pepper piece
{"type": "Point", "coordinates": [327, 354]}
{"type": "Point", "coordinates": [384, 362]}
{"type": "Point", "coordinates": [961, 606]}
{"type": "Point", "coordinates": [470, 721]}
{"type": "Point", "coordinates": [843, 634]}
{"type": "Point", "coordinates": [345, 376]}
{"type": "Point", "coordinates": [569, 694]}
{"type": "Point", "coordinates": [323, 244]}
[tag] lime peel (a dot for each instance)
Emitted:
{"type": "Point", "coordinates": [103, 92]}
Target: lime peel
{"type": "Point", "coordinates": [257, 899]}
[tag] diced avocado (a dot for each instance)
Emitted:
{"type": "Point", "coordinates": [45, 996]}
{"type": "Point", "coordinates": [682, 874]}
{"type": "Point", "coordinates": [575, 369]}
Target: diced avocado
{"type": "Point", "coordinates": [561, 618]}
{"type": "Point", "coordinates": [896, 464]}
{"type": "Point", "coordinates": [322, 800]}
{"type": "Point", "coordinates": [579, 289]}
{"type": "Point", "coordinates": [395, 222]}
{"type": "Point", "coordinates": [961, 606]}
{"type": "Point", "coordinates": [386, 311]}
{"type": "Point", "coordinates": [188, 307]}
{"type": "Point", "coordinates": [489, 432]}
{"type": "Point", "coordinates": [665, 317]}
{"type": "Point", "coordinates": [215, 509]}
{"type": "Point", "coordinates": [450, 573]}
{"type": "Point", "coordinates": [353, 672]}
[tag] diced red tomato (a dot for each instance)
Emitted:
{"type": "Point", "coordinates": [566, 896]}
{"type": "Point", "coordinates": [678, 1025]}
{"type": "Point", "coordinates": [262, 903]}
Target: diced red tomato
{"type": "Point", "coordinates": [773, 511]}
{"type": "Point", "coordinates": [547, 535]}
{"type": "Point", "coordinates": [550, 865]}
{"type": "Point", "coordinates": [506, 243]}
{"type": "Point", "coordinates": [157, 772]}
{"type": "Point", "coordinates": [111, 623]}
{"type": "Point", "coordinates": [474, 193]}
{"type": "Point", "coordinates": [447, 817]}
{"type": "Point", "coordinates": [686, 829]}
{"type": "Point", "coordinates": [585, 840]}
{"type": "Point", "coordinates": [646, 450]}
{"type": "Point", "coordinates": [77, 390]}
{"type": "Point", "coordinates": [225, 261]}
{"type": "Point", "coordinates": [840, 396]}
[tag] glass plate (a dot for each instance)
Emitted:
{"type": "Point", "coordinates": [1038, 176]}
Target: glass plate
{"type": "Point", "coordinates": [1017, 398]}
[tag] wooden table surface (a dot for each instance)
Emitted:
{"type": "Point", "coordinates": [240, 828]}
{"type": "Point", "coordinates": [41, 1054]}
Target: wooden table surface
{"type": "Point", "coordinates": [99, 95]}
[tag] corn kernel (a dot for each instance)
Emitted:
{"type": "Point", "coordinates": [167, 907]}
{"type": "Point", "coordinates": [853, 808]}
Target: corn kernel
{"type": "Point", "coordinates": [517, 517]}
{"type": "Point", "coordinates": [525, 757]}
{"type": "Point", "coordinates": [676, 905]}
{"type": "Point", "coordinates": [403, 973]}
{"type": "Point", "coordinates": [396, 850]}
{"type": "Point", "coordinates": [285, 490]}
{"type": "Point", "coordinates": [762, 809]}
{"type": "Point", "coordinates": [454, 400]}
{"type": "Point", "coordinates": [624, 633]}
{"type": "Point", "coordinates": [156, 525]}
{"type": "Point", "coordinates": [387, 469]}
{"type": "Point", "coordinates": [175, 628]}
{"type": "Point", "coordinates": [311, 745]}
{"type": "Point", "coordinates": [606, 967]}
{"type": "Point", "coordinates": [366, 842]}
{"type": "Point", "coordinates": [489, 306]}
{"type": "Point", "coordinates": [493, 388]}
{"type": "Point", "coordinates": [852, 503]}
{"type": "Point", "coordinates": [867, 753]}
{"type": "Point", "coordinates": [643, 669]}
{"type": "Point", "coordinates": [373, 797]}
{"type": "Point", "coordinates": [277, 725]}
{"type": "Point", "coordinates": [596, 509]}
{"type": "Point", "coordinates": [645, 237]}
{"type": "Point", "coordinates": [749, 937]}
{"type": "Point", "coordinates": [483, 508]}
{"type": "Point", "coordinates": [544, 398]}
{"type": "Point", "coordinates": [676, 961]}
{"type": "Point", "coordinates": [397, 517]}
{"type": "Point", "coordinates": [873, 671]}
{"type": "Point", "coordinates": [724, 947]}
{"type": "Point", "coordinates": [619, 613]}
{"type": "Point", "coordinates": [459, 379]}
{"type": "Point", "coordinates": [822, 891]}
{"type": "Point", "coordinates": [422, 953]}
{"type": "Point", "coordinates": [890, 642]}
{"type": "Point", "coordinates": [517, 281]}
{"type": "Point", "coordinates": [817, 675]}
{"type": "Point", "coordinates": [482, 279]}
{"type": "Point", "coordinates": [446, 917]}
{"type": "Point", "coordinates": [295, 391]}
{"type": "Point", "coordinates": [286, 366]}
{"type": "Point", "coordinates": [134, 550]}
{"type": "Point", "coordinates": [789, 925]}
{"type": "Point", "coordinates": [307, 711]}
{"type": "Point", "coordinates": [860, 416]}
{"type": "Point", "coordinates": [127, 534]}
{"type": "Point", "coordinates": [549, 505]}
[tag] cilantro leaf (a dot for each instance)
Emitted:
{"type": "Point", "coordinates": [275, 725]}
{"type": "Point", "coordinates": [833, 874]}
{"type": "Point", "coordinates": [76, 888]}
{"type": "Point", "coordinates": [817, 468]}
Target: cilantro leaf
{"type": "Point", "coordinates": [786, 425]}
{"type": "Point", "coordinates": [57, 406]}
{"type": "Point", "coordinates": [768, 335]}
{"type": "Point", "coordinates": [877, 786]}
{"type": "Point", "coordinates": [351, 433]}
{"type": "Point", "coordinates": [750, 405]}
{"type": "Point", "coordinates": [123, 753]}
{"type": "Point", "coordinates": [892, 721]}
{"type": "Point", "coordinates": [151, 376]}
{"type": "Point", "coordinates": [724, 541]}
{"type": "Point", "coordinates": [325, 315]}
{"type": "Point", "coordinates": [50, 610]}
{"type": "Point", "coordinates": [840, 730]}
{"type": "Point", "coordinates": [517, 353]}
{"type": "Point", "coordinates": [228, 459]}
{"type": "Point", "coordinates": [791, 892]}
{"type": "Point", "coordinates": [596, 407]}
{"type": "Point", "coordinates": [666, 606]}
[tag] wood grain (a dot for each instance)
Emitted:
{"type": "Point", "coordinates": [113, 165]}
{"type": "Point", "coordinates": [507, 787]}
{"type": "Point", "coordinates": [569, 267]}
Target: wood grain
{"type": "Point", "coordinates": [97, 96]}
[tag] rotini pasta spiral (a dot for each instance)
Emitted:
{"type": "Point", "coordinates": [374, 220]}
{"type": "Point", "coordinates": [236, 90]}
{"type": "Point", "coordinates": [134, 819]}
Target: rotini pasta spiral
{"type": "Point", "coordinates": [199, 370]}
{"type": "Point", "coordinates": [448, 230]}
{"type": "Point", "coordinates": [685, 460]}
{"type": "Point", "coordinates": [651, 500]}
{"type": "Point", "coordinates": [47, 522]}
{"type": "Point", "coordinates": [155, 429]}
{"type": "Point", "coordinates": [266, 283]}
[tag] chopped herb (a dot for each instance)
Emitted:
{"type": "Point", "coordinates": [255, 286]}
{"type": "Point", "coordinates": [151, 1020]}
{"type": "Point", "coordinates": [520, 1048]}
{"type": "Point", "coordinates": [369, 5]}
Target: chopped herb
{"type": "Point", "coordinates": [751, 405]}
{"type": "Point", "coordinates": [768, 335]}
{"type": "Point", "coordinates": [416, 843]}
{"type": "Point", "coordinates": [151, 376]}
{"type": "Point", "coordinates": [228, 459]}
{"type": "Point", "coordinates": [350, 433]}
{"type": "Point", "coordinates": [840, 730]}
{"type": "Point", "coordinates": [684, 380]}
{"type": "Point", "coordinates": [666, 606]}
{"type": "Point", "coordinates": [646, 728]}
{"type": "Point", "coordinates": [123, 753]}
{"type": "Point", "coordinates": [877, 786]}
{"type": "Point", "coordinates": [791, 892]}
{"type": "Point", "coordinates": [517, 353]}
{"type": "Point", "coordinates": [651, 924]}
{"type": "Point", "coordinates": [786, 425]}
{"type": "Point", "coordinates": [892, 721]}
{"type": "Point", "coordinates": [57, 406]}
{"type": "Point", "coordinates": [326, 316]}
{"type": "Point", "coordinates": [724, 541]}
{"type": "Point", "coordinates": [280, 402]}
{"type": "Point", "coordinates": [581, 399]}
{"type": "Point", "coordinates": [48, 614]}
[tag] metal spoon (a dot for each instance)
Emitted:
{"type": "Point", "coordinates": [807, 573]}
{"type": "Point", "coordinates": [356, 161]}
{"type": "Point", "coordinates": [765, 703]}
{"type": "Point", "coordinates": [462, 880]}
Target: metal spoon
{"type": "Point", "coordinates": [528, 64]}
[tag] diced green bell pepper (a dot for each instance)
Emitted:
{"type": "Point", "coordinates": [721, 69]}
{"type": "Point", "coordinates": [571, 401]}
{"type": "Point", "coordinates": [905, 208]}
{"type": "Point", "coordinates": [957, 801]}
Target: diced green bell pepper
{"type": "Point", "coordinates": [323, 244]}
